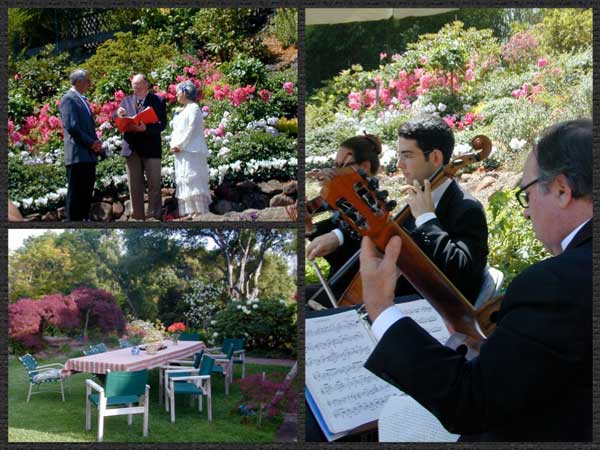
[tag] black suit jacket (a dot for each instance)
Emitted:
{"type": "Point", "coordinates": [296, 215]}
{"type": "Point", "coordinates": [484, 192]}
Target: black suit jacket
{"type": "Point", "coordinates": [148, 143]}
{"type": "Point", "coordinates": [532, 380]}
{"type": "Point", "coordinates": [456, 241]}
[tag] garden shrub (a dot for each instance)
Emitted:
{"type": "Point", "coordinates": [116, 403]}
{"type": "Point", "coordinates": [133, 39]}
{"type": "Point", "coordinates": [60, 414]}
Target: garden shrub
{"type": "Point", "coordinates": [28, 319]}
{"type": "Point", "coordinates": [225, 32]}
{"type": "Point", "coordinates": [127, 54]}
{"type": "Point", "coordinates": [284, 26]}
{"type": "Point", "coordinates": [172, 26]}
{"type": "Point", "coordinates": [245, 70]}
{"type": "Point", "coordinates": [512, 242]}
{"type": "Point", "coordinates": [563, 30]}
{"type": "Point", "coordinates": [266, 325]}
{"type": "Point", "coordinates": [202, 301]}
{"type": "Point", "coordinates": [42, 76]}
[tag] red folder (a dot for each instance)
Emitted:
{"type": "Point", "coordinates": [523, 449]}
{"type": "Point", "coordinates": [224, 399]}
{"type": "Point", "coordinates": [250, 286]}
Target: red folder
{"type": "Point", "coordinates": [146, 116]}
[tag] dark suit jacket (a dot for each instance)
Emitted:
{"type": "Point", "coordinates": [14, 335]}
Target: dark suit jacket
{"type": "Point", "coordinates": [79, 130]}
{"type": "Point", "coordinates": [456, 241]}
{"type": "Point", "coordinates": [148, 143]}
{"type": "Point", "coordinates": [532, 380]}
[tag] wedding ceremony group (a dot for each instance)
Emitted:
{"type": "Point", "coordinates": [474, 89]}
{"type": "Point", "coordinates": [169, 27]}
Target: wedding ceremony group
{"type": "Point", "coordinates": [152, 114]}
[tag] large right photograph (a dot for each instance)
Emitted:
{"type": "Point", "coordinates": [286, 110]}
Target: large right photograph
{"type": "Point", "coordinates": [448, 280]}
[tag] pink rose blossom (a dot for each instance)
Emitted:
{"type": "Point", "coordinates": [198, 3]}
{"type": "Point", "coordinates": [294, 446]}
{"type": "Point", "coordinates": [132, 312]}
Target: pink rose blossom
{"type": "Point", "coordinates": [423, 59]}
{"type": "Point", "coordinates": [382, 56]}
{"type": "Point", "coordinates": [288, 86]}
{"type": "Point", "coordinates": [542, 62]}
{"type": "Point", "coordinates": [396, 57]}
{"type": "Point", "coordinates": [264, 95]}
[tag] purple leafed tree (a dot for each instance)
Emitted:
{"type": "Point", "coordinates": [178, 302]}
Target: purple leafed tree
{"type": "Point", "coordinates": [98, 308]}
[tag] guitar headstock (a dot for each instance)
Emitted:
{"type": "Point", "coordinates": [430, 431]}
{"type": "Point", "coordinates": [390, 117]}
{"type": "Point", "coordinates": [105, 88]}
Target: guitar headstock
{"type": "Point", "coordinates": [357, 202]}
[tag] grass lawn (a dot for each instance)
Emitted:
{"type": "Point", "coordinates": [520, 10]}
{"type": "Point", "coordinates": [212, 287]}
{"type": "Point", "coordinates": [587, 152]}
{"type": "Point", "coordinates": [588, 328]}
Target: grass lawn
{"type": "Point", "coordinates": [47, 419]}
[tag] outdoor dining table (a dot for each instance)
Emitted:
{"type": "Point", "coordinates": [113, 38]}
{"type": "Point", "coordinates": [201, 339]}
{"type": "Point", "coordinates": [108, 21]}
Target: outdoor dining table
{"type": "Point", "coordinates": [123, 360]}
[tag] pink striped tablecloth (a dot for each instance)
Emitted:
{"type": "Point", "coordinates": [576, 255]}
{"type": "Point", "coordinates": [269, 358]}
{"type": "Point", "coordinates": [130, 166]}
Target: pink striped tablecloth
{"type": "Point", "coordinates": [123, 361]}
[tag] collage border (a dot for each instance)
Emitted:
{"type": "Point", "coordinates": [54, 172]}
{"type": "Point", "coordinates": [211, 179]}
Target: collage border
{"type": "Point", "coordinates": [298, 225]}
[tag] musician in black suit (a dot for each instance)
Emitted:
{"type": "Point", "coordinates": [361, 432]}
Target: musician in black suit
{"type": "Point", "coordinates": [448, 224]}
{"type": "Point", "coordinates": [82, 146]}
{"type": "Point", "coordinates": [142, 148]}
{"type": "Point", "coordinates": [532, 380]}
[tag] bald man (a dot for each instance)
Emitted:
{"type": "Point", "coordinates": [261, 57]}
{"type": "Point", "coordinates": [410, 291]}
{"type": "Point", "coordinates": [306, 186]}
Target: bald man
{"type": "Point", "coordinates": [142, 148]}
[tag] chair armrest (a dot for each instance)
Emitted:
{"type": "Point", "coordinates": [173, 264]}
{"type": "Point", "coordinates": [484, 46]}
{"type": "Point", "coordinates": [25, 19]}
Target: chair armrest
{"type": "Point", "coordinates": [218, 355]}
{"type": "Point", "coordinates": [239, 352]}
{"type": "Point", "coordinates": [95, 386]}
{"type": "Point", "coordinates": [167, 372]}
{"type": "Point", "coordinates": [185, 368]}
{"type": "Point", "coordinates": [62, 366]}
{"type": "Point", "coordinates": [192, 377]}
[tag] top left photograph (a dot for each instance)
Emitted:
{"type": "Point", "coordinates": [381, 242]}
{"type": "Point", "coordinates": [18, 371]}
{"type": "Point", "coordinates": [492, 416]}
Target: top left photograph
{"type": "Point", "coordinates": [152, 114]}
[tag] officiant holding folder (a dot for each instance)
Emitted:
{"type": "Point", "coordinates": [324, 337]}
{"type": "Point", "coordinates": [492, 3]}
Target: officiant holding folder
{"type": "Point", "coordinates": [142, 148]}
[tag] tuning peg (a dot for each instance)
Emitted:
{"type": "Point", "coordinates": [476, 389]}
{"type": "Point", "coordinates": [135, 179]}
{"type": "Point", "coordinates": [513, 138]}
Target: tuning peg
{"type": "Point", "coordinates": [335, 217]}
{"type": "Point", "coordinates": [374, 183]}
{"type": "Point", "coordinates": [362, 172]}
{"type": "Point", "coordinates": [391, 205]}
{"type": "Point", "coordinates": [382, 194]}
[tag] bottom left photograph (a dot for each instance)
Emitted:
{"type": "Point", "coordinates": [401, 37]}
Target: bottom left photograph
{"type": "Point", "coordinates": [152, 335]}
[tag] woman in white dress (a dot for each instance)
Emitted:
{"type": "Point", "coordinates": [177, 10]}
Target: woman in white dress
{"type": "Point", "coordinates": [191, 153]}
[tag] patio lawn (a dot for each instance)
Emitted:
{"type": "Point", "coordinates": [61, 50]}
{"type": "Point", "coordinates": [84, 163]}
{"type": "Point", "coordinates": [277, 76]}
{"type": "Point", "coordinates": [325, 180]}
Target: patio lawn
{"type": "Point", "coordinates": [47, 419]}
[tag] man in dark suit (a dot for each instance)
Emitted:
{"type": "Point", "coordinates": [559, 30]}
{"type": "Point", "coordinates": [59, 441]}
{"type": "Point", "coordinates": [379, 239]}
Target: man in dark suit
{"type": "Point", "coordinates": [82, 146]}
{"type": "Point", "coordinates": [448, 224]}
{"type": "Point", "coordinates": [142, 147]}
{"type": "Point", "coordinates": [532, 379]}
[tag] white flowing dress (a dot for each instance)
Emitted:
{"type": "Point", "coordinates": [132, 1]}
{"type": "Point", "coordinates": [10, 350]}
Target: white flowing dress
{"type": "Point", "coordinates": [191, 165]}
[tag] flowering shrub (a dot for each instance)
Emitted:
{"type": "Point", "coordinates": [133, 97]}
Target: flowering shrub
{"type": "Point", "coordinates": [463, 76]}
{"type": "Point", "coordinates": [232, 114]}
{"type": "Point", "coordinates": [203, 301]}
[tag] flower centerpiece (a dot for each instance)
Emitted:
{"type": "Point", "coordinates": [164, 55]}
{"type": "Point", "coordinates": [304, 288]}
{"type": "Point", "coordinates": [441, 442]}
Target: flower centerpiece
{"type": "Point", "coordinates": [176, 328]}
{"type": "Point", "coordinates": [140, 331]}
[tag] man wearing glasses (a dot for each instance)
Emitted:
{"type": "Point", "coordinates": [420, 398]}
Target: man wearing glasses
{"type": "Point", "coordinates": [447, 223]}
{"type": "Point", "coordinates": [532, 380]}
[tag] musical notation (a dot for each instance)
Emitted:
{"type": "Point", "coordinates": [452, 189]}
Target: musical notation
{"type": "Point", "coordinates": [336, 349]}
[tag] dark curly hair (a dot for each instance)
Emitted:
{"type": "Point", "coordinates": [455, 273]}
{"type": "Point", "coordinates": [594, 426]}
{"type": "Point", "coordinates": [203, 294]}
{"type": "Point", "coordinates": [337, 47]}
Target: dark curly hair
{"type": "Point", "coordinates": [431, 133]}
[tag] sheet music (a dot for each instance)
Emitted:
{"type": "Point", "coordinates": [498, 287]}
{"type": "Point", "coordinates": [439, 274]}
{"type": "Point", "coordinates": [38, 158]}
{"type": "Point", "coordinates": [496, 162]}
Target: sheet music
{"type": "Point", "coordinates": [403, 419]}
{"type": "Point", "coordinates": [423, 313]}
{"type": "Point", "coordinates": [347, 394]}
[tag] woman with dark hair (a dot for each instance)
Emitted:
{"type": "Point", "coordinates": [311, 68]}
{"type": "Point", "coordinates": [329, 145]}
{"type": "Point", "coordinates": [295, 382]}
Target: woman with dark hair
{"type": "Point", "coordinates": [362, 152]}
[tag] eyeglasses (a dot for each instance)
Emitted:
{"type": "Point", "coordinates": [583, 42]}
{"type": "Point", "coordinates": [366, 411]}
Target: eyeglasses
{"type": "Point", "coordinates": [523, 196]}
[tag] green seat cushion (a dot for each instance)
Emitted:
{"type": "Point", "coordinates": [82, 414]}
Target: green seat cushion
{"type": "Point", "coordinates": [186, 388]}
{"type": "Point", "coordinates": [116, 400]}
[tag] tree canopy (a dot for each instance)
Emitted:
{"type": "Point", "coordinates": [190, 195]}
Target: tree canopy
{"type": "Point", "coordinates": [147, 270]}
